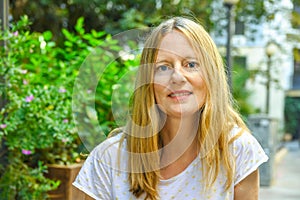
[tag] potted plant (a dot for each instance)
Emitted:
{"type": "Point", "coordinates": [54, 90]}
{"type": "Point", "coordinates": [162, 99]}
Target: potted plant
{"type": "Point", "coordinates": [38, 133]}
{"type": "Point", "coordinates": [36, 126]}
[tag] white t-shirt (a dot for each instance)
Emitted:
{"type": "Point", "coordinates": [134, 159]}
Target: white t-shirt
{"type": "Point", "coordinates": [103, 177]}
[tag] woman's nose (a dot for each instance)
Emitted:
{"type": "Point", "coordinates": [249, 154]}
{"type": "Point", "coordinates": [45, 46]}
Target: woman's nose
{"type": "Point", "coordinates": [177, 76]}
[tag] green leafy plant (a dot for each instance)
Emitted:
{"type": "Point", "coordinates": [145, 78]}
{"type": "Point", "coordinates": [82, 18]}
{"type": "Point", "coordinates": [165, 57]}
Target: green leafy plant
{"type": "Point", "coordinates": [292, 116]}
{"type": "Point", "coordinates": [37, 90]}
{"type": "Point", "coordinates": [21, 181]}
{"type": "Point", "coordinates": [38, 109]}
{"type": "Point", "coordinates": [240, 91]}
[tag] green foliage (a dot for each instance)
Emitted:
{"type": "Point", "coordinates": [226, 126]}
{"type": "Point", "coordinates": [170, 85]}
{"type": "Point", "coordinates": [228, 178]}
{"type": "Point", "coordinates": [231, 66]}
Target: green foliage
{"type": "Point", "coordinates": [292, 115]}
{"type": "Point", "coordinates": [36, 126]}
{"type": "Point", "coordinates": [41, 116]}
{"type": "Point", "coordinates": [295, 20]}
{"type": "Point", "coordinates": [39, 99]}
{"type": "Point", "coordinates": [240, 92]}
{"type": "Point", "coordinates": [22, 182]}
{"type": "Point", "coordinates": [37, 86]}
{"type": "Point", "coordinates": [115, 16]}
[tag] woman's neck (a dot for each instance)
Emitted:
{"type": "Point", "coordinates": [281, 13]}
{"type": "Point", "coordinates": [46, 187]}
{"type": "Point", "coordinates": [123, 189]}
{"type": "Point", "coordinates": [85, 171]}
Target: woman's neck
{"type": "Point", "coordinates": [179, 145]}
{"type": "Point", "coordinates": [179, 139]}
{"type": "Point", "coordinates": [174, 126]}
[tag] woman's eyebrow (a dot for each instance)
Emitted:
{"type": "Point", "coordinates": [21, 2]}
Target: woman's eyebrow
{"type": "Point", "coordinates": [161, 61]}
{"type": "Point", "coordinates": [183, 58]}
{"type": "Point", "coordinates": [190, 58]}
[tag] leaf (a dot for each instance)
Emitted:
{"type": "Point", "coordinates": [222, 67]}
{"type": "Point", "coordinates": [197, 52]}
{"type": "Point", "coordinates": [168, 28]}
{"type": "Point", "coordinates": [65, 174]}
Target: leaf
{"type": "Point", "coordinates": [68, 44]}
{"type": "Point", "coordinates": [68, 35]}
{"type": "Point", "coordinates": [97, 34]}
{"type": "Point", "coordinates": [79, 26]}
{"type": "Point", "coordinates": [47, 35]}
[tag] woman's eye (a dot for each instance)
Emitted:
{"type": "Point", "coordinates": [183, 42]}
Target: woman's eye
{"type": "Point", "coordinates": [162, 68]}
{"type": "Point", "coordinates": [191, 64]}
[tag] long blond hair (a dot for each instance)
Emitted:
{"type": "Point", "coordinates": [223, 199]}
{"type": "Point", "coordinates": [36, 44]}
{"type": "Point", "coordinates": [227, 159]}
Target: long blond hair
{"type": "Point", "coordinates": [217, 115]}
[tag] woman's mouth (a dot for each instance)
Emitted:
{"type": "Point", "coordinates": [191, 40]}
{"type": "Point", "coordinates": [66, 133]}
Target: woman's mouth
{"type": "Point", "coordinates": [180, 95]}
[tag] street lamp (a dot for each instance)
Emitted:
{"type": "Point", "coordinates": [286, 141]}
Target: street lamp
{"type": "Point", "coordinates": [229, 4]}
{"type": "Point", "coordinates": [271, 49]}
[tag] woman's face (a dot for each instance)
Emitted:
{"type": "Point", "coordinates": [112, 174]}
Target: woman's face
{"type": "Point", "coordinates": [179, 88]}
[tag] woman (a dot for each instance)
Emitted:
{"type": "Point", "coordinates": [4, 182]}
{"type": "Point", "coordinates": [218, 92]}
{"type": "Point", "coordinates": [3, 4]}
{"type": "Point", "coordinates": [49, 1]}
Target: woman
{"type": "Point", "coordinates": [184, 139]}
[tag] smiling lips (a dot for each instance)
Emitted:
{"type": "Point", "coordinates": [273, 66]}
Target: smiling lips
{"type": "Point", "coordinates": [180, 95]}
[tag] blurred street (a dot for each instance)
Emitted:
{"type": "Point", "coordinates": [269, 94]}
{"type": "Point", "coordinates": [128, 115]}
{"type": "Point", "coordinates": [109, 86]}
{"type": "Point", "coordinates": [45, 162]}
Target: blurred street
{"type": "Point", "coordinates": [286, 184]}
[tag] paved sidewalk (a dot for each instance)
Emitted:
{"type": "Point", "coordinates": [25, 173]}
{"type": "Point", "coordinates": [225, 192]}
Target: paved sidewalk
{"type": "Point", "coordinates": [286, 184]}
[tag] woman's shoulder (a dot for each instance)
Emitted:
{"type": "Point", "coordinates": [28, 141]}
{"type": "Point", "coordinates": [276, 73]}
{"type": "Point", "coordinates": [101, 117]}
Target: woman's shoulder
{"type": "Point", "coordinates": [110, 145]}
{"type": "Point", "coordinates": [244, 141]}
{"type": "Point", "coordinates": [248, 153]}
{"type": "Point", "coordinates": [239, 134]}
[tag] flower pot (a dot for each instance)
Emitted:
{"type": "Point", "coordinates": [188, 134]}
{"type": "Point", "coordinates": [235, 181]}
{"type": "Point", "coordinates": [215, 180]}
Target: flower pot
{"type": "Point", "coordinates": [66, 174]}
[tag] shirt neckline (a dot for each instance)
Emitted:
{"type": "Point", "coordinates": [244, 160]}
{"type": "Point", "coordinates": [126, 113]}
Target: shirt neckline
{"type": "Point", "coordinates": [187, 169]}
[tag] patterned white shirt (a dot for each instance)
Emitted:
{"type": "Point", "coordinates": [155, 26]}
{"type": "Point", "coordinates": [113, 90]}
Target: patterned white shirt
{"type": "Point", "coordinates": [103, 177]}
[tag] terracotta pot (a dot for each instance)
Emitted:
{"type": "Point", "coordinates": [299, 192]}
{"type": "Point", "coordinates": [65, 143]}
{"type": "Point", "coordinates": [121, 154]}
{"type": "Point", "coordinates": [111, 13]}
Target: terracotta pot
{"type": "Point", "coordinates": [66, 174]}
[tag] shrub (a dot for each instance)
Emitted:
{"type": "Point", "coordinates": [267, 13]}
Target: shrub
{"type": "Point", "coordinates": [36, 86]}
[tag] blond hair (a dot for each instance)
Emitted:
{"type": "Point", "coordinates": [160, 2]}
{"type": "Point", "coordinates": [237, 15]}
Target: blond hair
{"type": "Point", "coordinates": [215, 123]}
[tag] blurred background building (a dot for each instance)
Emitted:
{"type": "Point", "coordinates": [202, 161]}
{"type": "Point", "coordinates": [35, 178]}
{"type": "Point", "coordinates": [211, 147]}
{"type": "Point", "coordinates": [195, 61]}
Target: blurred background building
{"type": "Point", "coordinates": [270, 50]}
